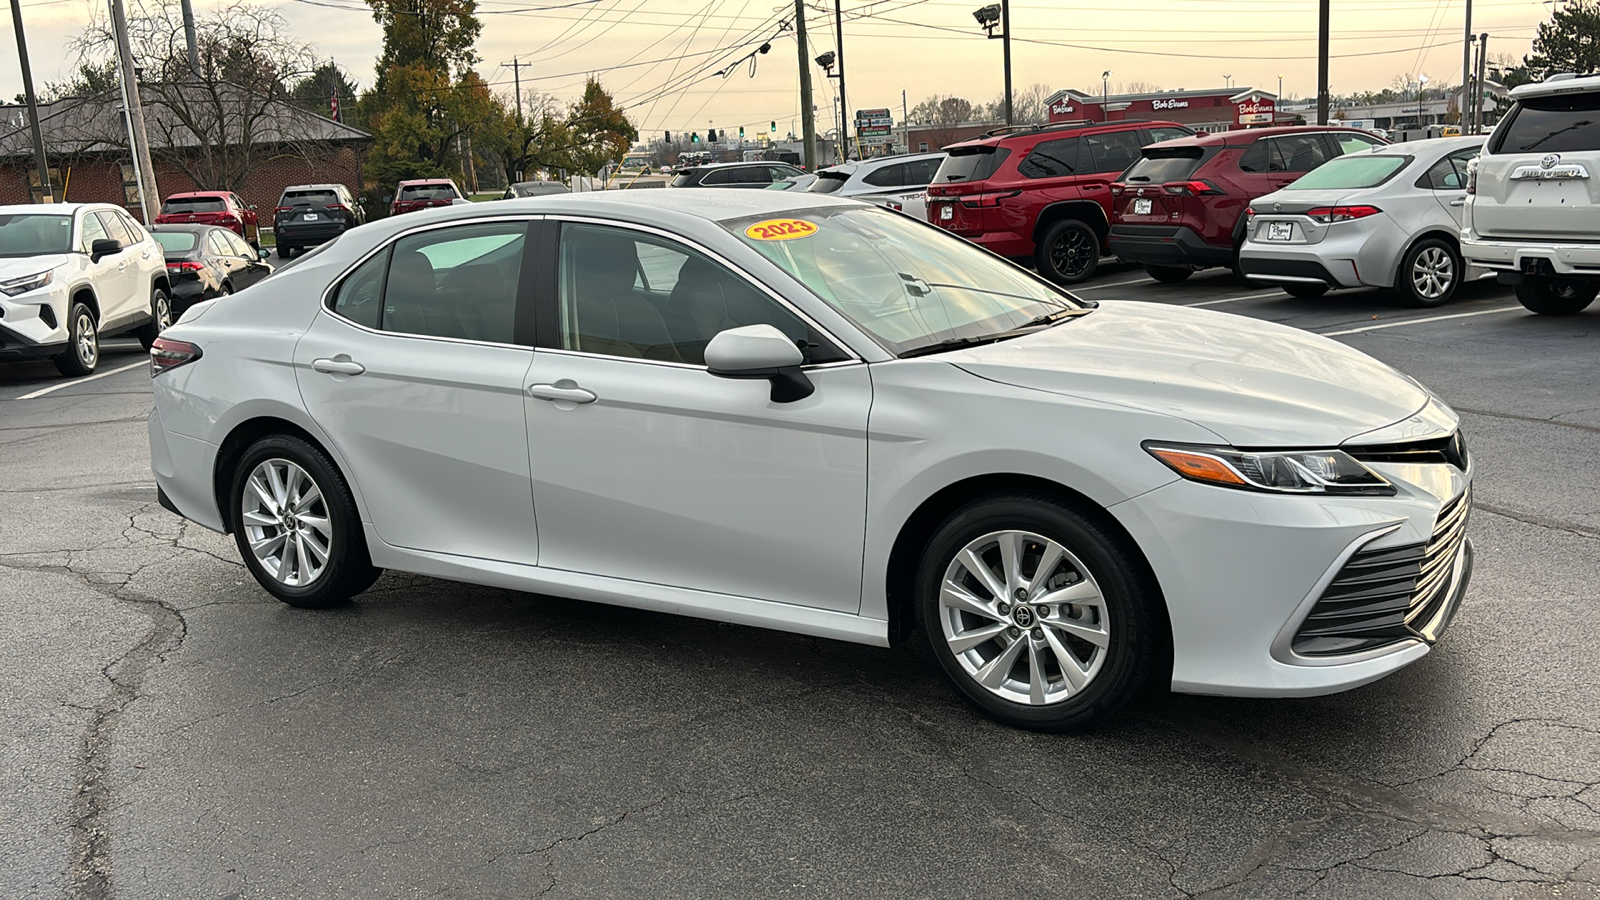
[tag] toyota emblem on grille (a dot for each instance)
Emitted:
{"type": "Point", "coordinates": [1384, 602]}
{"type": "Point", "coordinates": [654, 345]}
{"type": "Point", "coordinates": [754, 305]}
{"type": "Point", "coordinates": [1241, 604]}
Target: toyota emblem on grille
{"type": "Point", "coordinates": [1551, 161]}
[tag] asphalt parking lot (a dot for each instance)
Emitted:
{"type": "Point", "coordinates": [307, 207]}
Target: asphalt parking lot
{"type": "Point", "coordinates": [172, 731]}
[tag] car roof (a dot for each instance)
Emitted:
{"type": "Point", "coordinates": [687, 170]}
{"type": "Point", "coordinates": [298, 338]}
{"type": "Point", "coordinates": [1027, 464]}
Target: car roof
{"type": "Point", "coordinates": [12, 209]}
{"type": "Point", "coordinates": [186, 227]}
{"type": "Point", "coordinates": [742, 162]}
{"type": "Point", "coordinates": [1043, 132]}
{"type": "Point", "coordinates": [183, 194]}
{"type": "Point", "coordinates": [328, 186]}
{"type": "Point", "coordinates": [876, 161]}
{"type": "Point", "coordinates": [1562, 83]}
{"type": "Point", "coordinates": [648, 207]}
{"type": "Point", "coordinates": [1243, 136]}
{"type": "Point", "coordinates": [415, 181]}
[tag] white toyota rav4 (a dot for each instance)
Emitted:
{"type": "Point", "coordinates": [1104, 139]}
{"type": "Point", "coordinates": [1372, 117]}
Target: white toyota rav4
{"type": "Point", "coordinates": [71, 273]}
{"type": "Point", "coordinates": [1533, 204]}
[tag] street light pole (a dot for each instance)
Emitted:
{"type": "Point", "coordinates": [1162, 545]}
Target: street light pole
{"type": "Point", "coordinates": [1323, 15]}
{"type": "Point", "coordinates": [808, 116]}
{"type": "Point", "coordinates": [838, 16]}
{"type": "Point", "coordinates": [46, 195]}
{"type": "Point", "coordinates": [1105, 95]}
{"type": "Point", "coordinates": [1005, 40]}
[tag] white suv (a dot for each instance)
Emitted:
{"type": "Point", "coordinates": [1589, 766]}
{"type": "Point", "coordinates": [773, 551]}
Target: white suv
{"type": "Point", "coordinates": [1533, 204]}
{"type": "Point", "coordinates": [71, 273]}
{"type": "Point", "coordinates": [897, 182]}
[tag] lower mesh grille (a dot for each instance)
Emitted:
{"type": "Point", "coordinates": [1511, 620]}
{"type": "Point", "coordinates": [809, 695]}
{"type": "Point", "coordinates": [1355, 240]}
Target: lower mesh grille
{"type": "Point", "coordinates": [1388, 595]}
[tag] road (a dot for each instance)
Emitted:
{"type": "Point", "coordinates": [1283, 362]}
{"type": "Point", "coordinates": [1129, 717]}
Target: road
{"type": "Point", "coordinates": [174, 732]}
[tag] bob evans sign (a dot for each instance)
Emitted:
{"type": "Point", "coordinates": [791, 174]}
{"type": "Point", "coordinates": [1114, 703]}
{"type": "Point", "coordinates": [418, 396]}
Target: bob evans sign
{"type": "Point", "coordinates": [1169, 104]}
{"type": "Point", "coordinates": [1255, 110]}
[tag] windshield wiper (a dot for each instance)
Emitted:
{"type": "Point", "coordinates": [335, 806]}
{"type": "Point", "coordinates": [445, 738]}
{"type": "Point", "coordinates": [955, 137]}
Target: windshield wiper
{"type": "Point", "coordinates": [1034, 324]}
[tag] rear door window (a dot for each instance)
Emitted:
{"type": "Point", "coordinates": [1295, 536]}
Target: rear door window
{"type": "Point", "coordinates": [1255, 158]}
{"type": "Point", "coordinates": [1298, 152]}
{"type": "Point", "coordinates": [1166, 164]}
{"type": "Point", "coordinates": [920, 172]}
{"type": "Point", "coordinates": [1566, 123]}
{"type": "Point", "coordinates": [1450, 173]}
{"type": "Point", "coordinates": [1051, 159]}
{"type": "Point", "coordinates": [1111, 152]}
{"type": "Point", "coordinates": [1346, 142]}
{"type": "Point", "coordinates": [887, 176]}
{"type": "Point", "coordinates": [216, 246]}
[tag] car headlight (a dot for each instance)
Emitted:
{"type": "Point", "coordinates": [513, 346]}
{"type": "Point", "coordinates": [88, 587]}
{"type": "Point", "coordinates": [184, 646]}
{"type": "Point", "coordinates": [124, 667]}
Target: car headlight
{"type": "Point", "coordinates": [1283, 471]}
{"type": "Point", "coordinates": [26, 283]}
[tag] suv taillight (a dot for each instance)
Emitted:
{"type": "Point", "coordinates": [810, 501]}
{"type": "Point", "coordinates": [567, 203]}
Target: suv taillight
{"type": "Point", "coordinates": [1330, 214]}
{"type": "Point", "coordinates": [1192, 188]}
{"type": "Point", "coordinates": [981, 201]}
{"type": "Point", "coordinates": [338, 206]}
{"type": "Point", "coordinates": [185, 266]}
{"type": "Point", "coordinates": [283, 209]}
{"type": "Point", "coordinates": [1117, 188]}
{"type": "Point", "coordinates": [166, 353]}
{"type": "Point", "coordinates": [1472, 175]}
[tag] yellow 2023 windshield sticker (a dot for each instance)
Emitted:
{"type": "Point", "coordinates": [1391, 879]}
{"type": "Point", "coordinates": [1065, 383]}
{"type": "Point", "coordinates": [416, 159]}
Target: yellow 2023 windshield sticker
{"type": "Point", "coordinates": [780, 230]}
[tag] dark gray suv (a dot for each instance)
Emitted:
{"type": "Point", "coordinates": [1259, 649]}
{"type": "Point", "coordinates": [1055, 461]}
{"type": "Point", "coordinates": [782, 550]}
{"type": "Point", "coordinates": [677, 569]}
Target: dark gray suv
{"type": "Point", "coordinates": [758, 175]}
{"type": "Point", "coordinates": [309, 214]}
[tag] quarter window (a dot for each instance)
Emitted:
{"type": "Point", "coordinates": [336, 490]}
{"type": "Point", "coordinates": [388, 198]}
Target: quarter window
{"type": "Point", "coordinates": [1051, 159]}
{"type": "Point", "coordinates": [1111, 152]}
{"type": "Point", "coordinates": [1166, 133]}
{"type": "Point", "coordinates": [1254, 158]}
{"type": "Point", "coordinates": [633, 295]}
{"type": "Point", "coordinates": [1354, 143]}
{"type": "Point", "coordinates": [887, 176]}
{"type": "Point", "coordinates": [360, 297]}
{"type": "Point", "coordinates": [1450, 173]}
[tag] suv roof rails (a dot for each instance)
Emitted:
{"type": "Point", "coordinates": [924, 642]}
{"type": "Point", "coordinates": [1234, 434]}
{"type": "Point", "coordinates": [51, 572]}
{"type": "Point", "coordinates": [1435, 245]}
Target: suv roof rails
{"type": "Point", "coordinates": [1560, 76]}
{"type": "Point", "coordinates": [1057, 126]}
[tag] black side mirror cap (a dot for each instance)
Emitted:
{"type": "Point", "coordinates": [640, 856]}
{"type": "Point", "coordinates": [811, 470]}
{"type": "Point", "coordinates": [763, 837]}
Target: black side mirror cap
{"type": "Point", "coordinates": [104, 247]}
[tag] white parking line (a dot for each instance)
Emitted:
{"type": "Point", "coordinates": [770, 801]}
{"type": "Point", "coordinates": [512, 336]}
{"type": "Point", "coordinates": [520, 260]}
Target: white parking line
{"type": "Point", "coordinates": [1481, 312]}
{"type": "Point", "coordinates": [66, 384]}
{"type": "Point", "coordinates": [1096, 287]}
{"type": "Point", "coordinates": [1226, 299]}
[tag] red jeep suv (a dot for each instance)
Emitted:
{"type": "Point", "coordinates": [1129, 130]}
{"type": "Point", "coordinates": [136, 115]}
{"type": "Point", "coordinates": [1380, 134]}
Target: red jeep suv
{"type": "Point", "coordinates": [1181, 206]}
{"type": "Point", "coordinates": [1040, 192]}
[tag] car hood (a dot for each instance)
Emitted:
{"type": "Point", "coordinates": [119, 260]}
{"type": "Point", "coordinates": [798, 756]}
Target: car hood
{"type": "Point", "coordinates": [1252, 383]}
{"type": "Point", "coordinates": [23, 266]}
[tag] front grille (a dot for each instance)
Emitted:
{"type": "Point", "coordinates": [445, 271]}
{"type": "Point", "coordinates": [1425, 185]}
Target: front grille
{"type": "Point", "coordinates": [1450, 450]}
{"type": "Point", "coordinates": [1383, 596]}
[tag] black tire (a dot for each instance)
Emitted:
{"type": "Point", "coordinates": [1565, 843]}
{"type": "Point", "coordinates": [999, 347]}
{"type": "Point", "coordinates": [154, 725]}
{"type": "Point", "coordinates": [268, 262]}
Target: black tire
{"type": "Point", "coordinates": [83, 343]}
{"type": "Point", "coordinates": [348, 568]}
{"type": "Point", "coordinates": [285, 251]}
{"type": "Point", "coordinates": [1127, 612]}
{"type": "Point", "coordinates": [161, 318]}
{"type": "Point", "coordinates": [1556, 296]}
{"type": "Point", "coordinates": [1429, 273]}
{"type": "Point", "coordinates": [1305, 290]}
{"type": "Point", "coordinates": [1169, 274]}
{"type": "Point", "coordinates": [1069, 252]}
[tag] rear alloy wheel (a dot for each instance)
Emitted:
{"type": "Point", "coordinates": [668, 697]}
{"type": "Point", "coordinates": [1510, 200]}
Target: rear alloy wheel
{"type": "Point", "coordinates": [1035, 612]}
{"type": "Point", "coordinates": [1069, 253]}
{"type": "Point", "coordinates": [285, 251]}
{"type": "Point", "coordinates": [296, 524]}
{"type": "Point", "coordinates": [1430, 273]}
{"type": "Point", "coordinates": [1305, 290]}
{"type": "Point", "coordinates": [1556, 296]}
{"type": "Point", "coordinates": [83, 344]}
{"type": "Point", "coordinates": [160, 319]}
{"type": "Point", "coordinates": [1169, 274]}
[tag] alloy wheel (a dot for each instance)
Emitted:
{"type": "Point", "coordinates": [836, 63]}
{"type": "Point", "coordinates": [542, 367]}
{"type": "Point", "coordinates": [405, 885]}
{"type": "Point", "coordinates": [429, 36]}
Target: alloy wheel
{"type": "Point", "coordinates": [1071, 253]}
{"type": "Point", "coordinates": [286, 522]}
{"type": "Point", "coordinates": [1024, 617]}
{"type": "Point", "coordinates": [163, 311]}
{"type": "Point", "coordinates": [1433, 273]}
{"type": "Point", "coordinates": [88, 346]}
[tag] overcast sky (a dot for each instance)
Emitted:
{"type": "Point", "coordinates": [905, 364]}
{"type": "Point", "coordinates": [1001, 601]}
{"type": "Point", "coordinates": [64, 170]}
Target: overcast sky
{"type": "Point", "coordinates": [921, 47]}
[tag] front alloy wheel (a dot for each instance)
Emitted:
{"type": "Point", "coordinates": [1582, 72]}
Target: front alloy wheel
{"type": "Point", "coordinates": [286, 522]}
{"type": "Point", "coordinates": [1432, 271]}
{"type": "Point", "coordinates": [1069, 253]}
{"type": "Point", "coordinates": [82, 352]}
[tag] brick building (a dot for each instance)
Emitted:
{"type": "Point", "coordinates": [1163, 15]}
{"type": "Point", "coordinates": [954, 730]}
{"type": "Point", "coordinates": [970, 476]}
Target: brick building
{"type": "Point", "coordinates": [1211, 109]}
{"type": "Point", "coordinates": [86, 143]}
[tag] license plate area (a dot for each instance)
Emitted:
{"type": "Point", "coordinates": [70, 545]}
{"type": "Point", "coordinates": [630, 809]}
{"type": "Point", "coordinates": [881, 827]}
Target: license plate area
{"type": "Point", "coordinates": [946, 212]}
{"type": "Point", "coordinates": [310, 217]}
{"type": "Point", "coordinates": [1280, 231]}
{"type": "Point", "coordinates": [1142, 206]}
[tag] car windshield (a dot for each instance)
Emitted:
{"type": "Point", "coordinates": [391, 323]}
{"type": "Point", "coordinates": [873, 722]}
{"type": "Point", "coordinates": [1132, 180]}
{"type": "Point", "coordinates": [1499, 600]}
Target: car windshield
{"type": "Point", "coordinates": [1350, 173]}
{"type": "Point", "coordinates": [30, 234]}
{"type": "Point", "coordinates": [535, 190]}
{"type": "Point", "coordinates": [176, 241]}
{"type": "Point", "coordinates": [427, 192]}
{"type": "Point", "coordinates": [190, 205]}
{"type": "Point", "coordinates": [907, 284]}
{"type": "Point", "coordinates": [299, 198]}
{"type": "Point", "coordinates": [1565, 123]}
{"type": "Point", "coordinates": [1159, 166]}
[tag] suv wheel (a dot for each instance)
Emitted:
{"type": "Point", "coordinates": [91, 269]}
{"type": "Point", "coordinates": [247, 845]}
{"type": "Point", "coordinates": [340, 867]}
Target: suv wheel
{"type": "Point", "coordinates": [1169, 274]}
{"type": "Point", "coordinates": [1069, 253]}
{"type": "Point", "coordinates": [1556, 296]}
{"type": "Point", "coordinates": [285, 251]}
{"type": "Point", "coordinates": [1430, 272]}
{"type": "Point", "coordinates": [1305, 290]}
{"type": "Point", "coordinates": [1035, 612]}
{"type": "Point", "coordinates": [160, 319]}
{"type": "Point", "coordinates": [83, 344]}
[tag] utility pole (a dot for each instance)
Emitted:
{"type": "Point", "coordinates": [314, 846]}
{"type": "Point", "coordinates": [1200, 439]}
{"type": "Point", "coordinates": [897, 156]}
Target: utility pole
{"type": "Point", "coordinates": [1322, 62]}
{"type": "Point", "coordinates": [905, 122]}
{"type": "Point", "coordinates": [46, 194]}
{"type": "Point", "coordinates": [1466, 69]}
{"type": "Point", "coordinates": [150, 194]}
{"type": "Point", "coordinates": [1483, 67]}
{"type": "Point", "coordinates": [808, 115]}
{"type": "Point", "coordinates": [844, 109]}
{"type": "Point", "coordinates": [1005, 40]}
{"type": "Point", "coordinates": [516, 78]}
{"type": "Point", "coordinates": [188, 35]}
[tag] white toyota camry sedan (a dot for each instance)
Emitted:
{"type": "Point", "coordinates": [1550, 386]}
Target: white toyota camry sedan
{"type": "Point", "coordinates": [816, 415]}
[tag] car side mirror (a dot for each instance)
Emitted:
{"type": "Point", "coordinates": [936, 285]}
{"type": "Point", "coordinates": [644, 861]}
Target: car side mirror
{"type": "Point", "coordinates": [760, 351]}
{"type": "Point", "coordinates": [262, 253]}
{"type": "Point", "coordinates": [104, 247]}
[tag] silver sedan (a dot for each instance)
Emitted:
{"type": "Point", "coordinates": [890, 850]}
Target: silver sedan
{"type": "Point", "coordinates": [1385, 218]}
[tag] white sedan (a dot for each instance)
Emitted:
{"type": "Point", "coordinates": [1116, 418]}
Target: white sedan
{"type": "Point", "coordinates": [795, 412]}
{"type": "Point", "coordinates": [1389, 217]}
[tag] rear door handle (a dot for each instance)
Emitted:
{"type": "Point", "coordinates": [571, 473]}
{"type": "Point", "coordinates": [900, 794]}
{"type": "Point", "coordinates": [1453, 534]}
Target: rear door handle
{"type": "Point", "coordinates": [567, 391]}
{"type": "Point", "coordinates": [344, 365]}
{"type": "Point", "coordinates": [1459, 201]}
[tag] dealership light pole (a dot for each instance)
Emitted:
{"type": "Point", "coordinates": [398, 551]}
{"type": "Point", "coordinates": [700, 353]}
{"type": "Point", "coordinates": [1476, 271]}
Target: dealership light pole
{"type": "Point", "coordinates": [46, 195]}
{"type": "Point", "coordinates": [1105, 95]}
{"type": "Point", "coordinates": [838, 16]}
{"type": "Point", "coordinates": [1322, 61]}
{"type": "Point", "coordinates": [1422, 82]}
{"type": "Point", "coordinates": [999, 14]}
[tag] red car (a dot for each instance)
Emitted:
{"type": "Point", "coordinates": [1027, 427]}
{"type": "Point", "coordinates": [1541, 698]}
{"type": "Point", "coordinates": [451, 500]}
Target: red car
{"type": "Point", "coordinates": [421, 193]}
{"type": "Point", "coordinates": [221, 208]}
{"type": "Point", "coordinates": [1181, 206]}
{"type": "Point", "coordinates": [1041, 192]}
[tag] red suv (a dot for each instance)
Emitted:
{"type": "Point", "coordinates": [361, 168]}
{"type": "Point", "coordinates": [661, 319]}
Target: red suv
{"type": "Point", "coordinates": [1040, 192]}
{"type": "Point", "coordinates": [421, 193]}
{"type": "Point", "coordinates": [221, 208]}
{"type": "Point", "coordinates": [1181, 206]}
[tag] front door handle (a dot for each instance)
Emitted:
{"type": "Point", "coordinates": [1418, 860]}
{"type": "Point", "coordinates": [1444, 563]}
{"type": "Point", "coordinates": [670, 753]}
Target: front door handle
{"type": "Point", "coordinates": [567, 391]}
{"type": "Point", "coordinates": [343, 365]}
{"type": "Point", "coordinates": [1459, 201]}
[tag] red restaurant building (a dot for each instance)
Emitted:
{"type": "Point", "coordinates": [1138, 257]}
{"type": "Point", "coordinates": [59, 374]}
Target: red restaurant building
{"type": "Point", "coordinates": [1217, 109]}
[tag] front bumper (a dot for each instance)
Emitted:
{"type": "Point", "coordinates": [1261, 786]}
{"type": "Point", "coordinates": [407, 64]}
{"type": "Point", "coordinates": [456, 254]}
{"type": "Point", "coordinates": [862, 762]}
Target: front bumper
{"type": "Point", "coordinates": [1166, 245]}
{"type": "Point", "coordinates": [1566, 260]}
{"type": "Point", "coordinates": [33, 325]}
{"type": "Point", "coordinates": [1242, 572]}
{"type": "Point", "coordinates": [294, 235]}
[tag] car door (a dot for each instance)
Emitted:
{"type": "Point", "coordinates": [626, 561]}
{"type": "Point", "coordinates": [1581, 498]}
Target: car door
{"type": "Point", "coordinates": [415, 369]}
{"type": "Point", "coordinates": [220, 257]}
{"type": "Point", "coordinates": [649, 468]}
{"type": "Point", "coordinates": [103, 275]}
{"type": "Point", "coordinates": [122, 297]}
{"type": "Point", "coordinates": [251, 268]}
{"type": "Point", "coordinates": [1447, 181]}
{"type": "Point", "coordinates": [148, 256]}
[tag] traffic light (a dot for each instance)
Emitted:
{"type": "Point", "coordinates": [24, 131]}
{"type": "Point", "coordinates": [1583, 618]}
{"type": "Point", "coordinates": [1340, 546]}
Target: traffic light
{"type": "Point", "coordinates": [669, 137]}
{"type": "Point", "coordinates": [694, 138]}
{"type": "Point", "coordinates": [741, 132]}
{"type": "Point", "coordinates": [711, 135]}
{"type": "Point", "coordinates": [774, 127]}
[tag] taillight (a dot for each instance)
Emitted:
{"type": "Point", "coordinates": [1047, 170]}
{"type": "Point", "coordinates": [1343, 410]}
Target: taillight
{"type": "Point", "coordinates": [1192, 188]}
{"type": "Point", "coordinates": [1472, 175]}
{"type": "Point", "coordinates": [226, 221]}
{"type": "Point", "coordinates": [166, 353]}
{"type": "Point", "coordinates": [1327, 215]}
{"type": "Point", "coordinates": [1117, 188]}
{"type": "Point", "coordinates": [185, 267]}
{"type": "Point", "coordinates": [339, 206]}
{"type": "Point", "coordinates": [982, 201]}
{"type": "Point", "coordinates": [284, 209]}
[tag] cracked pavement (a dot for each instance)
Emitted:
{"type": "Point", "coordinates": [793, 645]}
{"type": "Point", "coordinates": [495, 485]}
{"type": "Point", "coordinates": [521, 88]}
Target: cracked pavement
{"type": "Point", "coordinates": [171, 731]}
